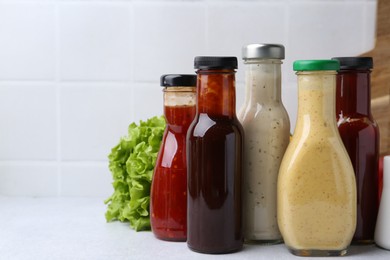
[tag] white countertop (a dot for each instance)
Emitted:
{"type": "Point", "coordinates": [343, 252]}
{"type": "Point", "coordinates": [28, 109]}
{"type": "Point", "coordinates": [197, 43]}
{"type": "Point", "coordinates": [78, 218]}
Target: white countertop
{"type": "Point", "coordinates": [75, 228]}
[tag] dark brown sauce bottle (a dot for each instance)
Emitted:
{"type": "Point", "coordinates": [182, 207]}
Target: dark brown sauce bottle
{"type": "Point", "coordinates": [214, 152]}
{"type": "Point", "coordinates": [360, 135]}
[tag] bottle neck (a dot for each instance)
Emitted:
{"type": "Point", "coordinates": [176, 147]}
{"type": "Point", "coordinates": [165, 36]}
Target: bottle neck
{"type": "Point", "coordinates": [316, 99]}
{"type": "Point", "coordinates": [353, 93]}
{"type": "Point", "coordinates": [179, 107]}
{"type": "Point", "coordinates": [263, 81]}
{"type": "Point", "coordinates": [216, 93]}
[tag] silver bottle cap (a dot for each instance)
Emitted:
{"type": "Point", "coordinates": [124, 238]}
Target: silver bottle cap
{"type": "Point", "coordinates": [263, 51]}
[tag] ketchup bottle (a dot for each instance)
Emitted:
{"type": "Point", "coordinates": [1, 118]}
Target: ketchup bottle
{"type": "Point", "coordinates": [360, 135]}
{"type": "Point", "coordinates": [168, 198]}
{"type": "Point", "coordinates": [215, 153]}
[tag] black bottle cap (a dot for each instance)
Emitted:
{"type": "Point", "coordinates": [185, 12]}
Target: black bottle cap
{"type": "Point", "coordinates": [363, 63]}
{"type": "Point", "coordinates": [213, 62]}
{"type": "Point", "coordinates": [178, 80]}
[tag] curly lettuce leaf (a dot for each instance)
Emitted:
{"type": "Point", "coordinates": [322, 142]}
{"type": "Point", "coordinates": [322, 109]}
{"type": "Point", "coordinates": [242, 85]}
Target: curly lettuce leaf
{"type": "Point", "coordinates": [131, 163]}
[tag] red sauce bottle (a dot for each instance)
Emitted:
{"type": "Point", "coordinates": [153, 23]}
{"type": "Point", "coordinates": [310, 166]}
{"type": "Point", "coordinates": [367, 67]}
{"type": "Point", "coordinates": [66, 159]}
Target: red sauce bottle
{"type": "Point", "coordinates": [168, 198]}
{"type": "Point", "coordinates": [215, 150]}
{"type": "Point", "coordinates": [360, 135]}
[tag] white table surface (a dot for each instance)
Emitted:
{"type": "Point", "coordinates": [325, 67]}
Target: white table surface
{"type": "Point", "coordinates": [75, 228]}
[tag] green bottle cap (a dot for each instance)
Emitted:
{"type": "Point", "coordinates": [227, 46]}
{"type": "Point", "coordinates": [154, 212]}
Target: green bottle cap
{"type": "Point", "coordinates": [309, 65]}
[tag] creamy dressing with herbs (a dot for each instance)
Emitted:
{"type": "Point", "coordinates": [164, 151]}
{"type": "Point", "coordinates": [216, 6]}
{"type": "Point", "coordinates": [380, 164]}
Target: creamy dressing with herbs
{"type": "Point", "coordinates": [316, 186]}
{"type": "Point", "coordinates": [267, 129]}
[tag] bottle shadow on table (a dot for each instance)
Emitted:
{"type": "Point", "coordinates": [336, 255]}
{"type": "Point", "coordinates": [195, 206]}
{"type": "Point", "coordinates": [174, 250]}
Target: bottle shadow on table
{"type": "Point", "coordinates": [363, 249]}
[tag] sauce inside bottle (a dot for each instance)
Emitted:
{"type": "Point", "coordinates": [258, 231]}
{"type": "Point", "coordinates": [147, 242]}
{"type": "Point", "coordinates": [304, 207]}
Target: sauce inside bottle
{"type": "Point", "coordinates": [215, 151]}
{"type": "Point", "coordinates": [267, 131]}
{"type": "Point", "coordinates": [316, 184]}
{"type": "Point", "coordinates": [168, 204]}
{"type": "Point", "coordinates": [360, 135]}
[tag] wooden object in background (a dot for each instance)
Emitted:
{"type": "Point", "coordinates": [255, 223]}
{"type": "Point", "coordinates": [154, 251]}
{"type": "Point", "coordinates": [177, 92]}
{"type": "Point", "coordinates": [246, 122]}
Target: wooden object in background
{"type": "Point", "coordinates": [380, 77]}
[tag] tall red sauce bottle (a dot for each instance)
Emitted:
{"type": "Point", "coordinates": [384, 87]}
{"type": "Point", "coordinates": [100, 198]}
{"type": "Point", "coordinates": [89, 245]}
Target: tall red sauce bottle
{"type": "Point", "coordinates": [168, 198]}
{"type": "Point", "coordinates": [215, 153]}
{"type": "Point", "coordinates": [360, 135]}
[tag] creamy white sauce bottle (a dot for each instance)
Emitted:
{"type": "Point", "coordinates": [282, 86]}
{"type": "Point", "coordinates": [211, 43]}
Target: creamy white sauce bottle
{"type": "Point", "coordinates": [267, 131]}
{"type": "Point", "coordinates": [382, 229]}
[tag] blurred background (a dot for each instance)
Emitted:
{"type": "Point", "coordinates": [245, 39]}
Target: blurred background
{"type": "Point", "coordinates": [75, 73]}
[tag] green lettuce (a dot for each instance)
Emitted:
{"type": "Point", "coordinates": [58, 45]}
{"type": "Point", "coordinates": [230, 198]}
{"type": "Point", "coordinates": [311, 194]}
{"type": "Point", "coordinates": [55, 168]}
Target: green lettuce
{"type": "Point", "coordinates": [131, 163]}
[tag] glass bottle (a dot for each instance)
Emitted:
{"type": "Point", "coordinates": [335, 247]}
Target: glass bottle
{"type": "Point", "coordinates": [382, 229]}
{"type": "Point", "coordinates": [316, 184]}
{"type": "Point", "coordinates": [215, 150]}
{"type": "Point", "coordinates": [168, 198]}
{"type": "Point", "coordinates": [267, 133]}
{"type": "Point", "coordinates": [360, 135]}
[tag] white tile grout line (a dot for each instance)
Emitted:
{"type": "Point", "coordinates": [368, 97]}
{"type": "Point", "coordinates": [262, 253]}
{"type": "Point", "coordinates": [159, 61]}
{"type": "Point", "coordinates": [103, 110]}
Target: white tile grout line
{"type": "Point", "coordinates": [53, 163]}
{"type": "Point", "coordinates": [58, 96]}
{"type": "Point", "coordinates": [367, 9]}
{"type": "Point", "coordinates": [132, 52]}
{"type": "Point", "coordinates": [207, 28]}
{"type": "Point", "coordinates": [364, 15]}
{"type": "Point", "coordinates": [286, 24]}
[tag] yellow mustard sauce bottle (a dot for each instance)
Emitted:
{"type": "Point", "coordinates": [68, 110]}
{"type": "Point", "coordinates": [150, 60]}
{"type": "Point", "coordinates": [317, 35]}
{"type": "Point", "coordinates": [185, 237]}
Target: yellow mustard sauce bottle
{"type": "Point", "coordinates": [316, 185]}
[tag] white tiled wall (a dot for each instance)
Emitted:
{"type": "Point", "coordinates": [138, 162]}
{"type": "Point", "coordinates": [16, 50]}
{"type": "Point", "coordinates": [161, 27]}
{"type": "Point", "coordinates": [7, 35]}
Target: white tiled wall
{"type": "Point", "coordinates": [95, 41]}
{"type": "Point", "coordinates": [28, 43]}
{"type": "Point", "coordinates": [75, 73]}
